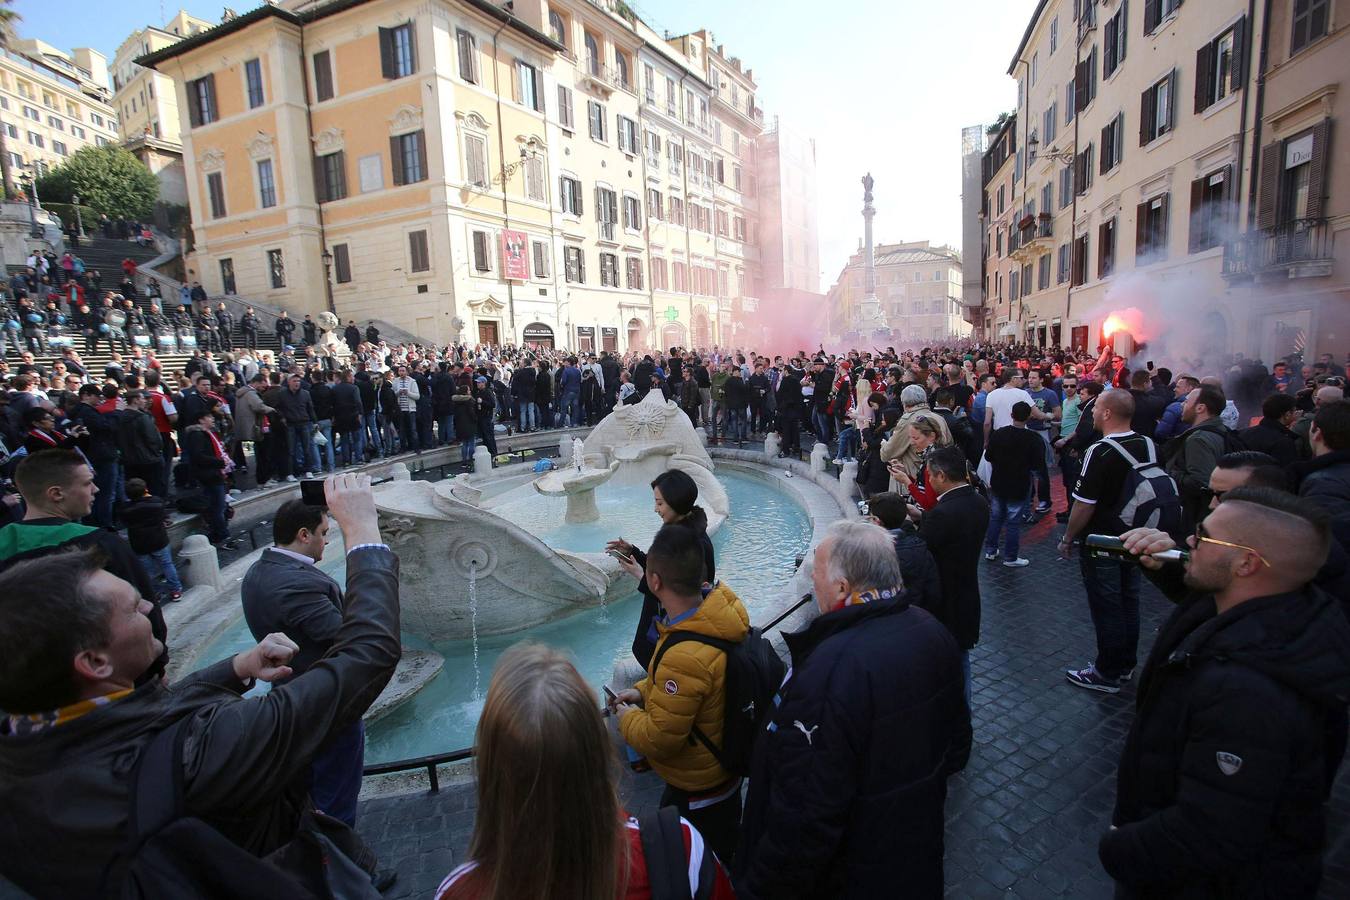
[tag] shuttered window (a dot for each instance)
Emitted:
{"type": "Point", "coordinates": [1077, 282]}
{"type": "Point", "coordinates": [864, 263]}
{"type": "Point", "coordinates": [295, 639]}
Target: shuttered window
{"type": "Point", "coordinates": [540, 253]}
{"type": "Point", "coordinates": [398, 51]}
{"type": "Point", "coordinates": [475, 160]}
{"type": "Point", "coordinates": [482, 253]}
{"type": "Point", "coordinates": [408, 154]}
{"type": "Point", "coordinates": [1150, 238]}
{"type": "Point", "coordinates": [419, 256]}
{"type": "Point", "coordinates": [215, 189]}
{"type": "Point", "coordinates": [342, 263]}
{"type": "Point", "coordinates": [323, 76]}
{"type": "Point", "coordinates": [468, 55]}
{"type": "Point", "coordinates": [201, 96]}
{"type": "Point", "coordinates": [330, 181]}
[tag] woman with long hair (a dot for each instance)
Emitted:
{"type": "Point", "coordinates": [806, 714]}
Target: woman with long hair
{"type": "Point", "coordinates": [675, 495]}
{"type": "Point", "coordinates": [549, 823]}
{"type": "Point", "coordinates": [924, 436]}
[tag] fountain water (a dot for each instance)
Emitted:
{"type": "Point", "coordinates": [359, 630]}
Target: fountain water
{"type": "Point", "coordinates": [473, 626]}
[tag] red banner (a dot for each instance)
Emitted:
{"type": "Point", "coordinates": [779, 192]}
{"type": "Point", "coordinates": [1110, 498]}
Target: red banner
{"type": "Point", "coordinates": [515, 255]}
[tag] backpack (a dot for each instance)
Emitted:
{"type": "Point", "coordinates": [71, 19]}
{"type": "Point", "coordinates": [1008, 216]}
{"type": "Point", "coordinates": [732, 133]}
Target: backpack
{"type": "Point", "coordinates": [1149, 497]}
{"type": "Point", "coordinates": [171, 854]}
{"type": "Point", "coordinates": [754, 673]}
{"type": "Point", "coordinates": [664, 854]}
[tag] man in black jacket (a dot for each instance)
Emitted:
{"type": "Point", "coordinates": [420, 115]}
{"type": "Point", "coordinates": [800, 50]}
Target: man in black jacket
{"type": "Point", "coordinates": [849, 781]}
{"type": "Point", "coordinates": [917, 566]}
{"type": "Point", "coordinates": [954, 530]}
{"type": "Point", "coordinates": [1272, 434]}
{"type": "Point", "coordinates": [1241, 713]}
{"type": "Point", "coordinates": [99, 446]}
{"type": "Point", "coordinates": [348, 419]}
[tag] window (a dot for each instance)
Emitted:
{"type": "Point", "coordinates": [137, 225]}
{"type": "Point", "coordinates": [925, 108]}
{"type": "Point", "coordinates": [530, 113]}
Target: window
{"type": "Point", "coordinates": [201, 97]}
{"type": "Point", "coordinates": [1155, 109]}
{"type": "Point", "coordinates": [739, 229]}
{"type": "Point", "coordinates": [1150, 236]}
{"type": "Point", "coordinates": [1054, 34]}
{"type": "Point", "coordinates": [331, 176]}
{"type": "Point", "coordinates": [1085, 80]}
{"type": "Point", "coordinates": [398, 55]}
{"type": "Point", "coordinates": [595, 116]}
{"type": "Point", "coordinates": [1106, 248]}
{"type": "Point", "coordinates": [60, 148]}
{"type": "Point", "coordinates": [658, 266]}
{"type": "Point", "coordinates": [534, 179]}
{"type": "Point", "coordinates": [539, 250]}
{"type": "Point", "coordinates": [654, 204]}
{"type": "Point", "coordinates": [606, 213]}
{"type": "Point", "coordinates": [1070, 102]}
{"type": "Point", "coordinates": [1113, 39]}
{"type": "Point", "coordinates": [670, 97]}
{"type": "Point", "coordinates": [276, 269]}
{"type": "Point", "coordinates": [12, 131]}
{"type": "Point", "coordinates": [628, 135]}
{"type": "Point", "coordinates": [565, 107]}
{"type": "Point", "coordinates": [569, 193]}
{"type": "Point", "coordinates": [1211, 209]}
{"type": "Point", "coordinates": [723, 223]}
{"type": "Point", "coordinates": [467, 48]}
{"type": "Point", "coordinates": [419, 257]}
{"type": "Point", "coordinates": [1218, 66]}
{"type": "Point", "coordinates": [609, 270]}
{"type": "Point", "coordinates": [632, 213]}
{"type": "Point", "coordinates": [1113, 143]}
{"type": "Point", "coordinates": [1014, 284]}
{"type": "Point", "coordinates": [1293, 184]}
{"type": "Point", "coordinates": [475, 160]}
{"type": "Point", "coordinates": [323, 76]}
{"type": "Point", "coordinates": [80, 133]}
{"type": "Point", "coordinates": [1157, 10]}
{"type": "Point", "coordinates": [529, 88]}
{"type": "Point", "coordinates": [342, 264]}
{"type": "Point", "coordinates": [1082, 175]}
{"type": "Point", "coordinates": [215, 190]}
{"type": "Point", "coordinates": [621, 70]}
{"type": "Point", "coordinates": [679, 277]}
{"type": "Point", "coordinates": [1035, 66]}
{"type": "Point", "coordinates": [649, 82]}
{"type": "Point", "coordinates": [56, 123]}
{"type": "Point", "coordinates": [676, 216]}
{"type": "Point", "coordinates": [1062, 264]}
{"type": "Point", "coordinates": [592, 54]}
{"type": "Point", "coordinates": [253, 79]}
{"type": "Point", "coordinates": [267, 185]}
{"type": "Point", "coordinates": [227, 276]}
{"type": "Point", "coordinates": [1310, 22]}
{"type": "Point", "coordinates": [1049, 122]}
{"type": "Point", "coordinates": [1080, 261]}
{"type": "Point", "coordinates": [556, 28]}
{"type": "Point", "coordinates": [482, 252]}
{"type": "Point", "coordinates": [574, 265]}
{"type": "Point", "coordinates": [408, 152]}
{"type": "Point", "coordinates": [633, 271]}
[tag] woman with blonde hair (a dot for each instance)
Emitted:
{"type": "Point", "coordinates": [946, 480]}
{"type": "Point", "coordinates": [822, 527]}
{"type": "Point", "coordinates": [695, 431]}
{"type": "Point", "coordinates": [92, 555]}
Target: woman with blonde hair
{"type": "Point", "coordinates": [926, 434]}
{"type": "Point", "coordinates": [549, 823]}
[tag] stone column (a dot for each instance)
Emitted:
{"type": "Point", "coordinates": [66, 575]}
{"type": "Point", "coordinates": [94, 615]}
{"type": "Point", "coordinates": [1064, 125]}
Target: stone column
{"type": "Point", "coordinates": [869, 311]}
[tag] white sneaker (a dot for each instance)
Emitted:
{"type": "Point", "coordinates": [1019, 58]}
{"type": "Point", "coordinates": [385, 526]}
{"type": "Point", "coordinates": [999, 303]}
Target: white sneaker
{"type": "Point", "coordinates": [991, 556]}
{"type": "Point", "coordinates": [309, 475]}
{"type": "Point", "coordinates": [1016, 563]}
{"type": "Point", "coordinates": [290, 478]}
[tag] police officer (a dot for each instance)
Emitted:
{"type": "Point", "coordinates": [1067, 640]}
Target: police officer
{"type": "Point", "coordinates": [182, 325]}
{"type": "Point", "coordinates": [311, 330]}
{"type": "Point", "coordinates": [249, 325]}
{"type": "Point", "coordinates": [208, 333]}
{"type": "Point", "coordinates": [285, 328]}
{"type": "Point", "coordinates": [225, 327]}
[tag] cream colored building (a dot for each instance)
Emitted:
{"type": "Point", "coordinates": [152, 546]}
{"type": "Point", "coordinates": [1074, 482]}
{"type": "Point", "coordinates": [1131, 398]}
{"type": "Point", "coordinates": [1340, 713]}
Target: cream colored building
{"type": "Point", "coordinates": [548, 174]}
{"type": "Point", "coordinates": [146, 102]}
{"type": "Point", "coordinates": [53, 103]}
{"type": "Point", "coordinates": [919, 287]}
{"type": "Point", "coordinates": [999, 214]}
{"type": "Point", "coordinates": [1159, 166]}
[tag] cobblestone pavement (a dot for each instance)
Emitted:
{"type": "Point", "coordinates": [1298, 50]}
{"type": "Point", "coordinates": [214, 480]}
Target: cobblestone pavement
{"type": "Point", "coordinates": [1023, 820]}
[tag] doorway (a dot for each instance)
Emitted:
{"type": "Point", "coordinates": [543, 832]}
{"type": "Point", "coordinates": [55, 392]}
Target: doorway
{"type": "Point", "coordinates": [487, 333]}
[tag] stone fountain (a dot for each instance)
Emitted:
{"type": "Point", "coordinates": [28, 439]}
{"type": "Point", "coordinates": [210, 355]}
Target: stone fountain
{"type": "Point", "coordinates": [448, 533]}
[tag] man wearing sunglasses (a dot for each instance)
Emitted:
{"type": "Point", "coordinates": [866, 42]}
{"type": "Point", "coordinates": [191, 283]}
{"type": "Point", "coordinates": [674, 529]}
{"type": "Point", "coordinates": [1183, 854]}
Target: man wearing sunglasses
{"type": "Point", "coordinates": [1241, 715]}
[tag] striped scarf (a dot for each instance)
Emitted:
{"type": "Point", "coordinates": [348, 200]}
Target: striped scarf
{"type": "Point", "coordinates": [20, 724]}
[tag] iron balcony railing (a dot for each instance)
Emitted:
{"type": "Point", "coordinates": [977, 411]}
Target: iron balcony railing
{"type": "Point", "coordinates": [1293, 243]}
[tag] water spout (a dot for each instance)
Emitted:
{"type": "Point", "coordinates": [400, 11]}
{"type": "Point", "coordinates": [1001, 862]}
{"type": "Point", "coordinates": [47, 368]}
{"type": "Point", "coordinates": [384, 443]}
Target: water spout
{"type": "Point", "coordinates": [473, 626]}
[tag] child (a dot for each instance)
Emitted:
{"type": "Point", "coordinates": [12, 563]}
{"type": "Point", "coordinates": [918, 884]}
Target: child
{"type": "Point", "coordinates": [146, 530]}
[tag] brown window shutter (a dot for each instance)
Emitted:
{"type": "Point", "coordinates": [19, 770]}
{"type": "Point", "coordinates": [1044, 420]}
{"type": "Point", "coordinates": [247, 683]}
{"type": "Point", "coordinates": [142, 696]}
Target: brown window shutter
{"type": "Point", "coordinates": [387, 53]}
{"type": "Point", "coordinates": [1152, 15]}
{"type": "Point", "coordinates": [1080, 81]}
{"type": "Point", "coordinates": [1106, 144]}
{"type": "Point", "coordinates": [1141, 229]}
{"type": "Point", "coordinates": [1317, 177]}
{"type": "Point", "coordinates": [194, 108]}
{"type": "Point", "coordinates": [1204, 74]}
{"type": "Point", "coordinates": [1199, 236]}
{"type": "Point", "coordinates": [319, 192]}
{"type": "Point", "coordinates": [396, 159]}
{"type": "Point", "coordinates": [1269, 187]}
{"type": "Point", "coordinates": [1165, 231]}
{"type": "Point", "coordinates": [1147, 110]}
{"type": "Point", "coordinates": [1101, 250]}
{"type": "Point", "coordinates": [1239, 62]}
{"type": "Point", "coordinates": [421, 138]}
{"type": "Point", "coordinates": [412, 43]}
{"type": "Point", "coordinates": [341, 175]}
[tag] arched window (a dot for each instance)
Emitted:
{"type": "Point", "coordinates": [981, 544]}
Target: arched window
{"type": "Point", "coordinates": [592, 54]}
{"type": "Point", "coordinates": [635, 334]}
{"type": "Point", "coordinates": [621, 68]}
{"type": "Point", "coordinates": [556, 27]}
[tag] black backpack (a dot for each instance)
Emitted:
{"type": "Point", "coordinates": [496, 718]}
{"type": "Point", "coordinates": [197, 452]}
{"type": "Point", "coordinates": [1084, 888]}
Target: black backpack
{"type": "Point", "coordinates": [1149, 497]}
{"type": "Point", "coordinates": [754, 674]}
{"type": "Point", "coordinates": [172, 854]}
{"type": "Point", "coordinates": [667, 860]}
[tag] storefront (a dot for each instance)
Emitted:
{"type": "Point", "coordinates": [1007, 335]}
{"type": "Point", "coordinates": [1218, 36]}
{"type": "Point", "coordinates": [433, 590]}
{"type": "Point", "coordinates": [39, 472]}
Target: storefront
{"type": "Point", "coordinates": [609, 339]}
{"type": "Point", "coordinates": [585, 339]}
{"type": "Point", "coordinates": [538, 336]}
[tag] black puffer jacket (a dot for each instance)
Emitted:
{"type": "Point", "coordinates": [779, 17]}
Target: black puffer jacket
{"type": "Point", "coordinates": [1228, 764]}
{"type": "Point", "coordinates": [847, 787]}
{"type": "Point", "coordinates": [917, 567]}
{"type": "Point", "coordinates": [1325, 480]}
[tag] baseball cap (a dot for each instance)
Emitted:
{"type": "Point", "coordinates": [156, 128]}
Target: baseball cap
{"type": "Point", "coordinates": [481, 379]}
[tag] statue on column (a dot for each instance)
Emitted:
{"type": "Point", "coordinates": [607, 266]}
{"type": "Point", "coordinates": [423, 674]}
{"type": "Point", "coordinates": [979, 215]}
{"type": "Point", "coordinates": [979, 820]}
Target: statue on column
{"type": "Point", "coordinates": [867, 183]}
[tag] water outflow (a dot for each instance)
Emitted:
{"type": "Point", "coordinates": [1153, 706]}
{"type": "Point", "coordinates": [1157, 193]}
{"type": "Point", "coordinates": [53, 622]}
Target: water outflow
{"type": "Point", "coordinates": [473, 627]}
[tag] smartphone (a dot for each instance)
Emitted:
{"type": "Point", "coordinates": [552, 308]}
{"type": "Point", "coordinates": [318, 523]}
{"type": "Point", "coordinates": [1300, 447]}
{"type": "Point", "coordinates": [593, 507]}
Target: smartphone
{"type": "Point", "coordinates": [619, 556]}
{"type": "Point", "coordinates": [311, 492]}
{"type": "Point", "coordinates": [610, 696]}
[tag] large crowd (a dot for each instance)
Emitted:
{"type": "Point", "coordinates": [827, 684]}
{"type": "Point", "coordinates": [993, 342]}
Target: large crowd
{"type": "Point", "coordinates": [823, 777]}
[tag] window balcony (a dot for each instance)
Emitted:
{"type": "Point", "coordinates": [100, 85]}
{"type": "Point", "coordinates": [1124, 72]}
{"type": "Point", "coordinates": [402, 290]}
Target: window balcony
{"type": "Point", "coordinates": [1301, 248]}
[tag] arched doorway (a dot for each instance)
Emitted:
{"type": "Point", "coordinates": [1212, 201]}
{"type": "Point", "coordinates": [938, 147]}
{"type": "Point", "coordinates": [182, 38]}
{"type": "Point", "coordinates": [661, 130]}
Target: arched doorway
{"type": "Point", "coordinates": [702, 330]}
{"type": "Point", "coordinates": [672, 335]}
{"type": "Point", "coordinates": [637, 338]}
{"type": "Point", "coordinates": [538, 336]}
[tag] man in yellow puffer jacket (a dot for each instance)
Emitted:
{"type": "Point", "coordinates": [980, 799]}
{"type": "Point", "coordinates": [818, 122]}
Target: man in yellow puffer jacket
{"type": "Point", "coordinates": [687, 689]}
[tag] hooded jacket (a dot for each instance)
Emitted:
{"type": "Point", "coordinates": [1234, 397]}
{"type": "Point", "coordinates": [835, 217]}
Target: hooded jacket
{"type": "Point", "coordinates": [687, 689]}
{"type": "Point", "coordinates": [1227, 766]}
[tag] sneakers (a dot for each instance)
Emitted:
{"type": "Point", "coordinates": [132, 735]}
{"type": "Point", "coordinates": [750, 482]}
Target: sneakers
{"type": "Point", "coordinates": [1043, 507]}
{"type": "Point", "coordinates": [1015, 563]}
{"type": "Point", "coordinates": [291, 478]}
{"type": "Point", "coordinates": [173, 596]}
{"type": "Point", "coordinates": [991, 556]}
{"type": "Point", "coordinates": [1092, 680]}
{"type": "Point", "coordinates": [1127, 676]}
{"type": "Point", "coordinates": [309, 476]}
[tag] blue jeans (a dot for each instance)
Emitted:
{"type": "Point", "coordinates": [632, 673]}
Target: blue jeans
{"type": "Point", "coordinates": [1042, 475]}
{"type": "Point", "coordinates": [569, 409]}
{"type": "Point", "coordinates": [445, 430]}
{"type": "Point", "coordinates": [335, 772]}
{"type": "Point", "coordinates": [325, 427]}
{"type": "Point", "coordinates": [304, 455]}
{"type": "Point", "coordinates": [1004, 513]}
{"type": "Point", "coordinates": [105, 479]}
{"type": "Point", "coordinates": [352, 447]}
{"type": "Point", "coordinates": [1113, 600]}
{"type": "Point", "coordinates": [821, 424]}
{"type": "Point", "coordinates": [216, 528]}
{"type": "Point", "coordinates": [849, 442]}
{"type": "Point", "coordinates": [735, 424]}
{"type": "Point", "coordinates": [529, 416]}
{"type": "Point", "coordinates": [466, 448]}
{"type": "Point", "coordinates": [372, 432]}
{"type": "Point", "coordinates": [160, 562]}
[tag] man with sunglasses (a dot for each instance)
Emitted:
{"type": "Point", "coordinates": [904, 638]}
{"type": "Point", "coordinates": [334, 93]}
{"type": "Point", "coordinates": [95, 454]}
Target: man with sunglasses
{"type": "Point", "coordinates": [1241, 715]}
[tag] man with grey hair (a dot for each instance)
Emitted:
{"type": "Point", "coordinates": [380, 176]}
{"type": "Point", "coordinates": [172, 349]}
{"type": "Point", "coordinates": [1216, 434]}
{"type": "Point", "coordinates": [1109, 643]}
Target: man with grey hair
{"type": "Point", "coordinates": [914, 399]}
{"type": "Point", "coordinates": [1302, 427]}
{"type": "Point", "coordinates": [849, 779]}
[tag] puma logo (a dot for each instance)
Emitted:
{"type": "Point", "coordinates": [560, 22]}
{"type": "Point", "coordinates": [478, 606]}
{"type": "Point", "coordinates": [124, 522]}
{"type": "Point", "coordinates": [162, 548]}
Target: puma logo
{"type": "Point", "coordinates": [804, 730]}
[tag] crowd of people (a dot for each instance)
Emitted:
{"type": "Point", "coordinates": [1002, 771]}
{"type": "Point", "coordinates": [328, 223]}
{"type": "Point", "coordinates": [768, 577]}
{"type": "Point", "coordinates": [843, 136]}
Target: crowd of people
{"type": "Point", "coordinates": [820, 776]}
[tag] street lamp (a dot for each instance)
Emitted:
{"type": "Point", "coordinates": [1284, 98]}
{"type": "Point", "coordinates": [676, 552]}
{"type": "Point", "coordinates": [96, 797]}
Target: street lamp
{"type": "Point", "coordinates": [327, 257]}
{"type": "Point", "coordinates": [528, 151]}
{"type": "Point", "coordinates": [1063, 157]}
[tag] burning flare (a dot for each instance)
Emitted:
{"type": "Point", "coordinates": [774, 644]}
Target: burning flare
{"type": "Point", "coordinates": [1113, 324]}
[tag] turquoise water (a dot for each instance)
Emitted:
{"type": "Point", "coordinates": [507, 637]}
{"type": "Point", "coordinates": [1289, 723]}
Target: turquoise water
{"type": "Point", "coordinates": [756, 549]}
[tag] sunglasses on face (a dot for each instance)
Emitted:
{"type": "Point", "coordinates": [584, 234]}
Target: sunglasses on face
{"type": "Point", "coordinates": [1202, 538]}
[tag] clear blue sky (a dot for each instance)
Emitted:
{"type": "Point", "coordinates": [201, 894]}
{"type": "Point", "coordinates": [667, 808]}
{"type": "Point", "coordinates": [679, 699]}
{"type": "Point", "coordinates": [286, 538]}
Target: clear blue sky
{"type": "Point", "coordinates": [882, 86]}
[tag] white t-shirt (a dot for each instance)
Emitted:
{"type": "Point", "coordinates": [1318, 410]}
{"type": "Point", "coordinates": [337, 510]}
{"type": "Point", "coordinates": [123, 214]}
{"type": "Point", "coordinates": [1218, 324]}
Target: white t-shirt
{"type": "Point", "coordinates": [1000, 402]}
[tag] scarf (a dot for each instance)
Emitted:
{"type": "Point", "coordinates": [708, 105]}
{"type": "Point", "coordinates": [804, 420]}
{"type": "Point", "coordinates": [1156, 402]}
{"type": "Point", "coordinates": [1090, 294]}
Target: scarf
{"type": "Point", "coordinates": [872, 594]}
{"type": "Point", "coordinates": [219, 449]}
{"type": "Point", "coordinates": [42, 436]}
{"type": "Point", "coordinates": [20, 724]}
